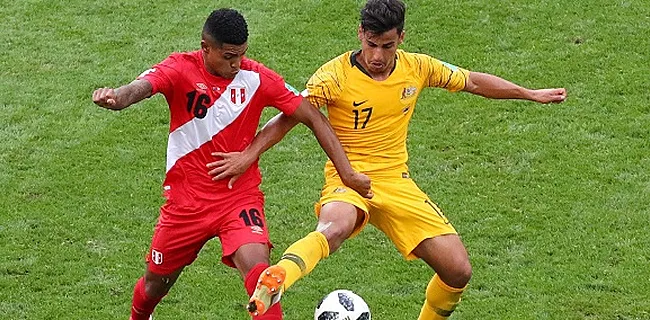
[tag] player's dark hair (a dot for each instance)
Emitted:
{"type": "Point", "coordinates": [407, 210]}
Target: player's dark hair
{"type": "Point", "coordinates": [226, 26]}
{"type": "Point", "coordinates": [379, 16]}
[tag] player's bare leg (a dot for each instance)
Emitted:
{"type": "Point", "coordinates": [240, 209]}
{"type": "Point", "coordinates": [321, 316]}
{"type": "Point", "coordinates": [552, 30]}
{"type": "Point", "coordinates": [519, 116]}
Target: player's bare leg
{"type": "Point", "coordinates": [148, 292]}
{"type": "Point", "coordinates": [336, 223]}
{"type": "Point", "coordinates": [249, 255]}
{"type": "Point", "coordinates": [251, 260]}
{"type": "Point", "coordinates": [447, 256]}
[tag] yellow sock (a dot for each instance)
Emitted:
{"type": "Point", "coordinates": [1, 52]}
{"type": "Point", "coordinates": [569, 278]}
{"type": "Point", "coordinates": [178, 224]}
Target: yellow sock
{"type": "Point", "coordinates": [441, 300]}
{"type": "Point", "coordinates": [302, 256]}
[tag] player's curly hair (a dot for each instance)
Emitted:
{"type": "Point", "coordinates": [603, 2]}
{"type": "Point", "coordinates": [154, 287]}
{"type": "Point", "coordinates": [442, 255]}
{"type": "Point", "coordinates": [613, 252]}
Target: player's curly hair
{"type": "Point", "coordinates": [379, 16]}
{"type": "Point", "coordinates": [226, 26]}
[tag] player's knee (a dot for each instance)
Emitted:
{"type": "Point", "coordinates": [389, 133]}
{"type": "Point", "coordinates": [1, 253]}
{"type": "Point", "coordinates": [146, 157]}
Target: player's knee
{"type": "Point", "coordinates": [337, 233]}
{"type": "Point", "coordinates": [337, 222]}
{"type": "Point", "coordinates": [156, 287]}
{"type": "Point", "coordinates": [465, 273]}
{"type": "Point", "coordinates": [459, 276]}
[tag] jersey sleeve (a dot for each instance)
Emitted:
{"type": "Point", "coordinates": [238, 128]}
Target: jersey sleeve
{"type": "Point", "coordinates": [279, 94]}
{"type": "Point", "coordinates": [325, 85]}
{"type": "Point", "coordinates": [161, 76]}
{"type": "Point", "coordinates": [436, 73]}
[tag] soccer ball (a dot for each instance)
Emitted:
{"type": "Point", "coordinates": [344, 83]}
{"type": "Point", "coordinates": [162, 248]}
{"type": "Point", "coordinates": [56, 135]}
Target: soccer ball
{"type": "Point", "coordinates": [342, 305]}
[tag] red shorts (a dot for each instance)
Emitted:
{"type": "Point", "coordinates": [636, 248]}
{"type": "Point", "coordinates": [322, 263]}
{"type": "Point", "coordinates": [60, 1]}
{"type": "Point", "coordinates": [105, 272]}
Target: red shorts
{"type": "Point", "coordinates": [181, 232]}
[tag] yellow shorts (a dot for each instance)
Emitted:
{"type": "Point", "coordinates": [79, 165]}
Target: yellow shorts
{"type": "Point", "coordinates": [399, 209]}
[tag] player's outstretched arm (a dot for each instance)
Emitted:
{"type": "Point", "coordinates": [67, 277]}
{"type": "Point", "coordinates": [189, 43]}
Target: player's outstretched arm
{"type": "Point", "coordinates": [124, 96]}
{"type": "Point", "coordinates": [316, 121]}
{"type": "Point", "coordinates": [493, 87]}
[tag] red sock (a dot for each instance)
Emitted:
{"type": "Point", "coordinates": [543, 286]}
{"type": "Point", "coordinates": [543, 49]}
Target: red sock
{"type": "Point", "coordinates": [250, 282]}
{"type": "Point", "coordinates": [142, 306]}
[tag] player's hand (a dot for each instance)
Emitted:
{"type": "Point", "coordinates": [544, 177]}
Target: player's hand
{"type": "Point", "coordinates": [105, 97]}
{"type": "Point", "coordinates": [556, 95]}
{"type": "Point", "coordinates": [361, 184]}
{"type": "Point", "coordinates": [232, 164]}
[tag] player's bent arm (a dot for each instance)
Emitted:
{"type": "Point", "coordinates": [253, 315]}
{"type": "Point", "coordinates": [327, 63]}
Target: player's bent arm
{"type": "Point", "coordinates": [124, 96]}
{"type": "Point", "coordinates": [316, 121]}
{"type": "Point", "coordinates": [491, 86]}
{"type": "Point", "coordinates": [320, 126]}
{"type": "Point", "coordinates": [234, 164]}
{"type": "Point", "coordinates": [272, 132]}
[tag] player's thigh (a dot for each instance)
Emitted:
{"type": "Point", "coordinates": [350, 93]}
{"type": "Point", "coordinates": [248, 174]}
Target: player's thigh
{"type": "Point", "coordinates": [243, 231]}
{"type": "Point", "coordinates": [249, 255]}
{"type": "Point", "coordinates": [339, 221]}
{"type": "Point", "coordinates": [178, 237]}
{"type": "Point", "coordinates": [342, 213]}
{"type": "Point", "coordinates": [406, 215]}
{"type": "Point", "coordinates": [447, 255]}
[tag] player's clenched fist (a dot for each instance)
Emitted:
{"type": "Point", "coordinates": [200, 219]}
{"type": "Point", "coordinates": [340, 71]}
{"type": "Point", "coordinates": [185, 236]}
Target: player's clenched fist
{"type": "Point", "coordinates": [124, 96]}
{"type": "Point", "coordinates": [361, 184]}
{"type": "Point", "coordinates": [105, 97]}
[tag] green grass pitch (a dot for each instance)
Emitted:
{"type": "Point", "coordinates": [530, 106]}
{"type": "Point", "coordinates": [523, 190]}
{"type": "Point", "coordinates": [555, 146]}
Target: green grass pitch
{"type": "Point", "coordinates": [552, 201]}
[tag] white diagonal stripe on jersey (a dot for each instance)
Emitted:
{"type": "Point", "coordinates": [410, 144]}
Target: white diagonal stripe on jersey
{"type": "Point", "coordinates": [193, 134]}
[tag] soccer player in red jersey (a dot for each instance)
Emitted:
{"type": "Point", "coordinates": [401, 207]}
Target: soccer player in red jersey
{"type": "Point", "coordinates": [215, 97]}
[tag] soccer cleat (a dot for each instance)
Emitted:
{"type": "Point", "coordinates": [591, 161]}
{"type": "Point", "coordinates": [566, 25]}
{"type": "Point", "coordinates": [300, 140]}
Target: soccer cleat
{"type": "Point", "coordinates": [270, 286]}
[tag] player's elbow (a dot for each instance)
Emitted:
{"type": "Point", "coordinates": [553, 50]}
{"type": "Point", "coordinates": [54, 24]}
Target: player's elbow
{"type": "Point", "coordinates": [472, 83]}
{"type": "Point", "coordinates": [286, 123]}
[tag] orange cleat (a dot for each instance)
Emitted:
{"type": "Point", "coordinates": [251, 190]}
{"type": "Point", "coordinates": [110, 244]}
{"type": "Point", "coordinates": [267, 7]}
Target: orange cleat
{"type": "Point", "coordinates": [269, 289]}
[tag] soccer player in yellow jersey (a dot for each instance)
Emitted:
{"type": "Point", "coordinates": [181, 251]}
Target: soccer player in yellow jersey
{"type": "Point", "coordinates": [370, 95]}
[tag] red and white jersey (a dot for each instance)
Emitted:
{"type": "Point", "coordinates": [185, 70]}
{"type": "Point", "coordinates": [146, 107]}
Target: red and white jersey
{"type": "Point", "coordinates": [212, 114]}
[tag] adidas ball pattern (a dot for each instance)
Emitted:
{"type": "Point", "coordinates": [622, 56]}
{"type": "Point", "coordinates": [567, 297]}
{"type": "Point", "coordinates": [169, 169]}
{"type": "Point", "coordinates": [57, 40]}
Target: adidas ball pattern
{"type": "Point", "coordinates": [342, 305]}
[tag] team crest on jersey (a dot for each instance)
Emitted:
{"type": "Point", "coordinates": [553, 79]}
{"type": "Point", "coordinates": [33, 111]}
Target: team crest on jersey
{"type": "Point", "coordinates": [409, 92]}
{"type": "Point", "coordinates": [156, 257]}
{"type": "Point", "coordinates": [238, 95]}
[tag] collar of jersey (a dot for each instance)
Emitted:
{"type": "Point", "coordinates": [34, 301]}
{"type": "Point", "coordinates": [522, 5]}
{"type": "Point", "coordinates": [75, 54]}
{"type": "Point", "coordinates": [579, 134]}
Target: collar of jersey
{"type": "Point", "coordinates": [355, 63]}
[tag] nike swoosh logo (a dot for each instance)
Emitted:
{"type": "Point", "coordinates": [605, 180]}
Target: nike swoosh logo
{"type": "Point", "coordinates": [356, 104]}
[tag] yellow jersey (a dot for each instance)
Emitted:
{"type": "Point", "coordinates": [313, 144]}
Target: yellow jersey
{"type": "Point", "coordinates": [371, 117]}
